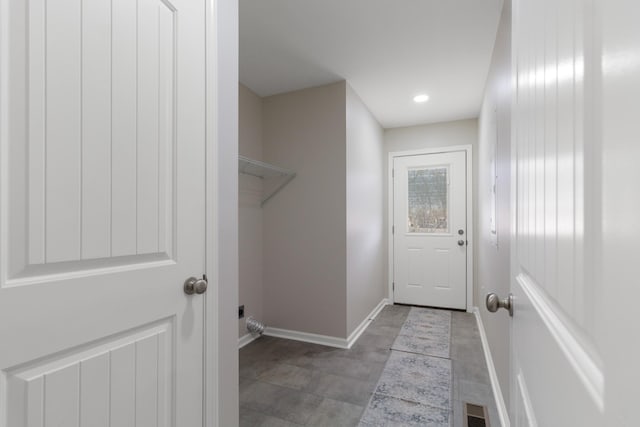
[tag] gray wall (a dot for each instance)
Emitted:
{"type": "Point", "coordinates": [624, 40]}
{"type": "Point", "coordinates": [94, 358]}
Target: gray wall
{"type": "Point", "coordinates": [304, 225]}
{"type": "Point", "coordinates": [250, 286]}
{"type": "Point", "coordinates": [436, 135]}
{"type": "Point", "coordinates": [495, 139]}
{"type": "Point", "coordinates": [366, 284]}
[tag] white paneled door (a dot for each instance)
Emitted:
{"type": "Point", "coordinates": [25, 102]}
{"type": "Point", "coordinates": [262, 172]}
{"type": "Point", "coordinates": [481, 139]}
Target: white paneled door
{"type": "Point", "coordinates": [575, 345]}
{"type": "Point", "coordinates": [102, 198]}
{"type": "Point", "coordinates": [430, 230]}
{"type": "Point", "coordinates": [557, 376]}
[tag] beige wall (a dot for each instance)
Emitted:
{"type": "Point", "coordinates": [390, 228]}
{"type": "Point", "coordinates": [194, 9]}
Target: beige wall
{"type": "Point", "coordinates": [304, 259]}
{"type": "Point", "coordinates": [366, 285]}
{"type": "Point", "coordinates": [250, 286]}
{"type": "Point", "coordinates": [445, 134]}
{"type": "Point", "coordinates": [495, 139]}
{"type": "Point", "coordinates": [436, 135]}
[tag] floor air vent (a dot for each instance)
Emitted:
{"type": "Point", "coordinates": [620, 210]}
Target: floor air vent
{"type": "Point", "coordinates": [475, 415]}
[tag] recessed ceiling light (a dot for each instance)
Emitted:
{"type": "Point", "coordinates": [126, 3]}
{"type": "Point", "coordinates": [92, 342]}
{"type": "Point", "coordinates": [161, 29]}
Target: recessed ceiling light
{"type": "Point", "coordinates": [423, 97]}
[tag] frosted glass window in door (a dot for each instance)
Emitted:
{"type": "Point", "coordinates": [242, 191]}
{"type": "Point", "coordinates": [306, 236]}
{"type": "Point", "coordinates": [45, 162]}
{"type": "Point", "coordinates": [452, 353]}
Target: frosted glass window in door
{"type": "Point", "coordinates": [428, 210]}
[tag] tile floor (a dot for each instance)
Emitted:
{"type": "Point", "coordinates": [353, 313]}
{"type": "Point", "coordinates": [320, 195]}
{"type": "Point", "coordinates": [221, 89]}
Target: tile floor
{"type": "Point", "coordinates": [291, 383]}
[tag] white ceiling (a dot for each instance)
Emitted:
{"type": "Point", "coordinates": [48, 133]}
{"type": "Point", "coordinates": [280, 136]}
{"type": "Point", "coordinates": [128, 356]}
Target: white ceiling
{"type": "Point", "coordinates": [388, 50]}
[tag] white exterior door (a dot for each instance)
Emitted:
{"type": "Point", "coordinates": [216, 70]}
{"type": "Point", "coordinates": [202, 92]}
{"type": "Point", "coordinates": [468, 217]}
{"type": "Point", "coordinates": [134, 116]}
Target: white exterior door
{"type": "Point", "coordinates": [575, 345]}
{"type": "Point", "coordinates": [102, 204]}
{"type": "Point", "coordinates": [430, 230]}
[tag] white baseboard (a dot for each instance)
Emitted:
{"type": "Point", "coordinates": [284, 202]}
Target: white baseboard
{"type": "Point", "coordinates": [306, 337]}
{"type": "Point", "coordinates": [493, 375]}
{"type": "Point", "coordinates": [329, 341]}
{"type": "Point", "coordinates": [246, 339]}
{"type": "Point", "coordinates": [362, 326]}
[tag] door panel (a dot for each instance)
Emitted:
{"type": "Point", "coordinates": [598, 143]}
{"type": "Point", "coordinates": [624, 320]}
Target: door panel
{"type": "Point", "coordinates": [102, 213]}
{"type": "Point", "coordinates": [429, 209]}
{"type": "Point", "coordinates": [108, 174]}
{"type": "Point", "coordinates": [126, 380]}
{"type": "Point", "coordinates": [557, 368]}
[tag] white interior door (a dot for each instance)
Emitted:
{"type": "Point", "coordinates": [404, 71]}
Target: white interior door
{"type": "Point", "coordinates": [430, 230]}
{"type": "Point", "coordinates": [102, 212]}
{"type": "Point", "coordinates": [558, 370]}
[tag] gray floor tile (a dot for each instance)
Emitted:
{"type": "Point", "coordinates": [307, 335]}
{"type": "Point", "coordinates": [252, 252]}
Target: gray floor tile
{"type": "Point", "coordinates": [334, 413]}
{"type": "Point", "coordinates": [468, 350]}
{"type": "Point", "coordinates": [392, 315]}
{"type": "Point", "coordinates": [339, 365]}
{"type": "Point", "coordinates": [350, 390]}
{"type": "Point", "coordinates": [458, 414]}
{"type": "Point", "coordinates": [464, 320]}
{"type": "Point", "coordinates": [472, 392]}
{"type": "Point", "coordinates": [254, 369]}
{"type": "Point", "coordinates": [250, 418]}
{"type": "Point", "coordinates": [287, 376]}
{"type": "Point", "coordinates": [376, 372]}
{"type": "Point", "coordinates": [470, 372]}
{"type": "Point", "coordinates": [365, 354]}
{"type": "Point", "coordinates": [378, 329]}
{"type": "Point", "coordinates": [374, 341]}
{"type": "Point", "coordinates": [281, 402]}
{"type": "Point", "coordinates": [244, 383]}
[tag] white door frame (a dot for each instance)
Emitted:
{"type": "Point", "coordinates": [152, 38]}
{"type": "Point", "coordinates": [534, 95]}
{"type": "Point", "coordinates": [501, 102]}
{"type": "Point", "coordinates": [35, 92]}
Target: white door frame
{"type": "Point", "coordinates": [468, 149]}
{"type": "Point", "coordinates": [221, 392]}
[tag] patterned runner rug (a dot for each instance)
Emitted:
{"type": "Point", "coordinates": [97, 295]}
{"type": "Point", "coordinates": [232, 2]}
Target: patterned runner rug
{"type": "Point", "coordinates": [416, 384]}
{"type": "Point", "coordinates": [426, 331]}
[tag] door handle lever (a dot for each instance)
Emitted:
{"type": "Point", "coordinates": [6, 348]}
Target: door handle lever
{"type": "Point", "coordinates": [494, 303]}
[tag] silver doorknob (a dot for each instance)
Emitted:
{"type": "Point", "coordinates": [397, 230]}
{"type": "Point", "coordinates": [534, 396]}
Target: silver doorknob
{"type": "Point", "coordinates": [460, 242]}
{"type": "Point", "coordinates": [494, 303]}
{"type": "Point", "coordinates": [195, 286]}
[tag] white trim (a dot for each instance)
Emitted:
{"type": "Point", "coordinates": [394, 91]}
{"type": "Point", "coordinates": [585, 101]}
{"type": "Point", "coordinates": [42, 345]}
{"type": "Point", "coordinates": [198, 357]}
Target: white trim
{"type": "Point", "coordinates": [579, 357]}
{"type": "Point", "coordinates": [211, 392]}
{"type": "Point", "coordinates": [329, 341]}
{"type": "Point", "coordinates": [307, 337]}
{"type": "Point", "coordinates": [527, 407]}
{"type": "Point", "coordinates": [353, 337]}
{"type": "Point", "coordinates": [468, 149]}
{"type": "Point", "coordinates": [220, 385]}
{"type": "Point", "coordinates": [493, 375]}
{"type": "Point", "coordinates": [246, 339]}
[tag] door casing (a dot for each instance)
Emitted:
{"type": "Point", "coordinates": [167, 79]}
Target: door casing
{"type": "Point", "coordinates": [221, 392]}
{"type": "Point", "coordinates": [468, 149]}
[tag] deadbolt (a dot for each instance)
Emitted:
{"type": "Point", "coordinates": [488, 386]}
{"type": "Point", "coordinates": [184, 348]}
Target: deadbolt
{"type": "Point", "coordinates": [494, 303]}
{"type": "Point", "coordinates": [461, 232]}
{"type": "Point", "coordinates": [195, 286]}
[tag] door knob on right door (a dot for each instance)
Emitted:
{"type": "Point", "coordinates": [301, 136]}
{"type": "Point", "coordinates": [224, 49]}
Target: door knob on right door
{"type": "Point", "coordinates": [494, 303]}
